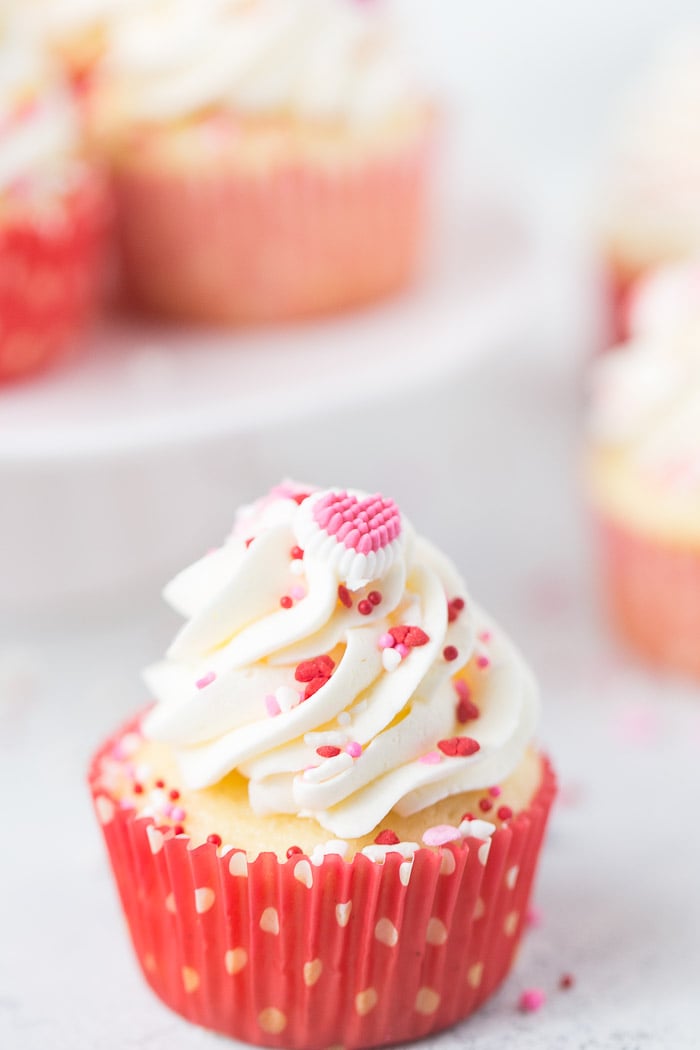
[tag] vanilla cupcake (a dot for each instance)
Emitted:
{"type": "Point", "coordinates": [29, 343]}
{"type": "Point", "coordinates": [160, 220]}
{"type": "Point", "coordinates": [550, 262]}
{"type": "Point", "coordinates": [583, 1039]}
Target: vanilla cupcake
{"type": "Point", "coordinates": [327, 826]}
{"type": "Point", "coordinates": [643, 471]}
{"type": "Point", "coordinates": [270, 160]}
{"type": "Point", "coordinates": [651, 209]}
{"type": "Point", "coordinates": [53, 213]}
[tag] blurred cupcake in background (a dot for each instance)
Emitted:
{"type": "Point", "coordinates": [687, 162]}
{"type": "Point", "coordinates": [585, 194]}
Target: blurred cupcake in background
{"type": "Point", "coordinates": [53, 212]}
{"type": "Point", "coordinates": [643, 467]}
{"type": "Point", "coordinates": [652, 203]}
{"type": "Point", "coordinates": [270, 160]}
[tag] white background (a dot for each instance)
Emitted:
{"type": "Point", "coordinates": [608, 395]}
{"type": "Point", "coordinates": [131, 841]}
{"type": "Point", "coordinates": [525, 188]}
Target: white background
{"type": "Point", "coordinates": [485, 462]}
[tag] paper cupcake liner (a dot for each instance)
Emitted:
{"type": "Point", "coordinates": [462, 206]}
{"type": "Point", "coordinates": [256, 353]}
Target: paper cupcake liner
{"type": "Point", "coordinates": [652, 590]}
{"type": "Point", "coordinates": [303, 955]}
{"type": "Point", "coordinates": [50, 275]}
{"type": "Point", "coordinates": [230, 246]}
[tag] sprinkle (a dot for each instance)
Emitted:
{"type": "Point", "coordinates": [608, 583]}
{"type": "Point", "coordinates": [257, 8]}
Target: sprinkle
{"type": "Point", "coordinates": [286, 697]}
{"type": "Point", "coordinates": [300, 497]}
{"type": "Point", "coordinates": [504, 813]}
{"type": "Point", "coordinates": [485, 804]}
{"type": "Point", "coordinates": [483, 662]}
{"type": "Point", "coordinates": [327, 751]}
{"type": "Point", "coordinates": [249, 541]}
{"type": "Point", "coordinates": [178, 813]}
{"type": "Point", "coordinates": [293, 851]}
{"type": "Point", "coordinates": [354, 749]}
{"type": "Point", "coordinates": [310, 669]}
{"type": "Point", "coordinates": [441, 834]}
{"type": "Point", "coordinates": [160, 783]}
{"type": "Point", "coordinates": [138, 789]}
{"type": "Point", "coordinates": [458, 603]}
{"type": "Point", "coordinates": [467, 710]}
{"type": "Point", "coordinates": [533, 917]}
{"type": "Point", "coordinates": [344, 596]}
{"type": "Point", "coordinates": [450, 652]}
{"type": "Point", "coordinates": [205, 680]}
{"type": "Point", "coordinates": [286, 601]}
{"type": "Point", "coordinates": [476, 829]}
{"type": "Point", "coordinates": [467, 817]}
{"type": "Point", "coordinates": [454, 608]}
{"type": "Point", "coordinates": [566, 981]}
{"type": "Point", "coordinates": [174, 794]}
{"type": "Point", "coordinates": [178, 829]}
{"type": "Point", "coordinates": [296, 553]}
{"type": "Point", "coordinates": [495, 791]}
{"type": "Point", "coordinates": [410, 636]}
{"type": "Point", "coordinates": [459, 745]}
{"type": "Point", "coordinates": [402, 650]}
{"type": "Point", "coordinates": [214, 839]}
{"type": "Point", "coordinates": [531, 1000]}
{"type": "Point", "coordinates": [272, 705]}
{"type": "Point", "coordinates": [298, 592]}
{"type": "Point", "coordinates": [484, 636]}
{"type": "Point", "coordinates": [431, 758]}
{"type": "Point", "coordinates": [364, 607]}
{"type": "Point", "coordinates": [386, 641]}
{"type": "Point", "coordinates": [387, 838]}
{"type": "Point", "coordinates": [374, 598]}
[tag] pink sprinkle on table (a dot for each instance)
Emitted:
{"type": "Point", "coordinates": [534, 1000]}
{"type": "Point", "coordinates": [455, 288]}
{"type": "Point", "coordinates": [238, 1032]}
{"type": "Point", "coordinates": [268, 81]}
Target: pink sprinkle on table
{"type": "Point", "coordinates": [532, 999]}
{"type": "Point", "coordinates": [205, 680]}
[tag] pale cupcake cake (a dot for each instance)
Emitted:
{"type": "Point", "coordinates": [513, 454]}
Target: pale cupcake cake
{"type": "Point", "coordinates": [270, 159]}
{"type": "Point", "coordinates": [339, 765]}
{"type": "Point", "coordinates": [53, 210]}
{"type": "Point", "coordinates": [643, 474]}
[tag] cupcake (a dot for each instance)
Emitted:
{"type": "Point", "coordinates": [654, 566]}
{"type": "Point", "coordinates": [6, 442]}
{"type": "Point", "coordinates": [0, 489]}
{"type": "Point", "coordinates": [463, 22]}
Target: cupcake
{"type": "Point", "coordinates": [53, 213]}
{"type": "Point", "coordinates": [325, 829]}
{"type": "Point", "coordinates": [270, 160]}
{"type": "Point", "coordinates": [665, 300]}
{"type": "Point", "coordinates": [651, 211]}
{"type": "Point", "coordinates": [643, 471]}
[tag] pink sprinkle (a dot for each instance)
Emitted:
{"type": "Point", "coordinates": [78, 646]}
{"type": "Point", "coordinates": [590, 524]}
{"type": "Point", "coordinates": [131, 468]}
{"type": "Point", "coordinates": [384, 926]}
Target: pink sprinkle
{"type": "Point", "coordinates": [482, 662]}
{"type": "Point", "coordinates": [298, 593]}
{"type": "Point", "coordinates": [431, 758]}
{"type": "Point", "coordinates": [273, 708]}
{"type": "Point", "coordinates": [531, 1000]}
{"type": "Point", "coordinates": [533, 917]}
{"type": "Point", "coordinates": [177, 813]}
{"type": "Point", "coordinates": [495, 791]}
{"type": "Point", "coordinates": [354, 749]}
{"type": "Point", "coordinates": [386, 641]}
{"type": "Point", "coordinates": [205, 680]}
{"type": "Point", "coordinates": [440, 834]}
{"type": "Point", "coordinates": [402, 650]}
{"type": "Point", "coordinates": [462, 689]}
{"type": "Point", "coordinates": [484, 636]}
{"type": "Point", "coordinates": [168, 810]}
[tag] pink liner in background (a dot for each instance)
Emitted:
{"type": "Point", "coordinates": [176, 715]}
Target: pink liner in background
{"type": "Point", "coordinates": [299, 955]}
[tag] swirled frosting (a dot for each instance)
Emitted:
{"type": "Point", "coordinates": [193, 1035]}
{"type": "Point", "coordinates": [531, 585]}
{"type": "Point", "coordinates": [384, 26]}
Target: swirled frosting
{"type": "Point", "coordinates": [333, 658]}
{"type": "Point", "coordinates": [653, 211]}
{"type": "Point", "coordinates": [666, 300]}
{"type": "Point", "coordinates": [38, 126]}
{"type": "Point", "coordinates": [318, 59]}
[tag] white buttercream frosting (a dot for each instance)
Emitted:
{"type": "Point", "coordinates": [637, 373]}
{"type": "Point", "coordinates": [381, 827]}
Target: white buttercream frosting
{"type": "Point", "coordinates": [38, 125]}
{"type": "Point", "coordinates": [666, 300]}
{"type": "Point", "coordinates": [646, 403]}
{"type": "Point", "coordinates": [318, 59]}
{"type": "Point", "coordinates": [283, 654]}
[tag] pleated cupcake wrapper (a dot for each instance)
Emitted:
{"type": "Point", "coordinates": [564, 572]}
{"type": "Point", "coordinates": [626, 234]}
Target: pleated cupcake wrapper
{"type": "Point", "coordinates": [652, 589]}
{"type": "Point", "coordinates": [294, 241]}
{"type": "Point", "coordinates": [51, 270]}
{"type": "Point", "coordinates": [303, 955]}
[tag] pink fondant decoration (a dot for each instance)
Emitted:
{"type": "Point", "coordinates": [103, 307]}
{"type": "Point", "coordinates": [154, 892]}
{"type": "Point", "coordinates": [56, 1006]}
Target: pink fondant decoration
{"type": "Point", "coordinates": [361, 525]}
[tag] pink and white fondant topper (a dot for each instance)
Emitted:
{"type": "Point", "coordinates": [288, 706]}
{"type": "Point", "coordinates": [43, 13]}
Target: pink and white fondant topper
{"type": "Point", "coordinates": [359, 535]}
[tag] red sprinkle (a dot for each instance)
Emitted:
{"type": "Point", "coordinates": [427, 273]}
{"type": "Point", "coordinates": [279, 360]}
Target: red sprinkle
{"type": "Point", "coordinates": [286, 602]}
{"type": "Point", "coordinates": [467, 816]}
{"type": "Point", "coordinates": [310, 669]}
{"type": "Point", "coordinates": [467, 710]}
{"type": "Point", "coordinates": [505, 813]}
{"type": "Point", "coordinates": [459, 745]}
{"type": "Point", "coordinates": [450, 652]}
{"type": "Point", "coordinates": [313, 686]}
{"type": "Point", "coordinates": [416, 637]}
{"type": "Point", "coordinates": [485, 804]}
{"type": "Point", "coordinates": [483, 662]}
{"type": "Point", "coordinates": [296, 552]}
{"type": "Point", "coordinates": [300, 497]}
{"type": "Point", "coordinates": [138, 789]}
{"type": "Point", "coordinates": [174, 794]}
{"type": "Point", "coordinates": [454, 608]}
{"type": "Point", "coordinates": [364, 607]}
{"type": "Point", "coordinates": [178, 829]}
{"type": "Point", "coordinates": [458, 604]}
{"type": "Point", "coordinates": [160, 783]}
{"type": "Point", "coordinates": [566, 981]}
{"type": "Point", "coordinates": [387, 838]}
{"type": "Point", "coordinates": [249, 541]}
{"type": "Point", "coordinates": [294, 851]}
{"type": "Point", "coordinates": [327, 751]}
{"type": "Point", "coordinates": [214, 839]}
{"type": "Point", "coordinates": [399, 633]}
{"type": "Point", "coordinates": [495, 791]}
{"type": "Point", "coordinates": [344, 596]}
{"type": "Point", "coordinates": [374, 597]}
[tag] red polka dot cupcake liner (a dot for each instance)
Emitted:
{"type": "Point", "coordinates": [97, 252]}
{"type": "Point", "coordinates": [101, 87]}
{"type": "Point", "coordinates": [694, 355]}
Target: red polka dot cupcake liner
{"type": "Point", "coordinates": [297, 241]}
{"type": "Point", "coordinates": [652, 592]}
{"type": "Point", "coordinates": [51, 273]}
{"type": "Point", "coordinates": [310, 955]}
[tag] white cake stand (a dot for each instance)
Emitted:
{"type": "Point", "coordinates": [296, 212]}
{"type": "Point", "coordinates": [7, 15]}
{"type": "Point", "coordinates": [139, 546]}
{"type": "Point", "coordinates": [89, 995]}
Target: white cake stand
{"type": "Point", "coordinates": [132, 459]}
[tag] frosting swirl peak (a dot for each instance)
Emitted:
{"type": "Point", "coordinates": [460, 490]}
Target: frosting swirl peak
{"type": "Point", "coordinates": [332, 657]}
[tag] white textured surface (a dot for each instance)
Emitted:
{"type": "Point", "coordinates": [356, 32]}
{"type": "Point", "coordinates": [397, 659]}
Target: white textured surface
{"type": "Point", "coordinates": [618, 883]}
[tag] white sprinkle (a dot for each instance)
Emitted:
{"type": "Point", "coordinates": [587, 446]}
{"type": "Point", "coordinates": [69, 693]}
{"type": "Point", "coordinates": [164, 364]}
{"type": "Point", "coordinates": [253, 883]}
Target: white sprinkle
{"type": "Point", "coordinates": [287, 698]}
{"type": "Point", "coordinates": [334, 847]}
{"type": "Point", "coordinates": [379, 853]}
{"type": "Point", "coordinates": [390, 659]}
{"type": "Point", "coordinates": [476, 829]}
